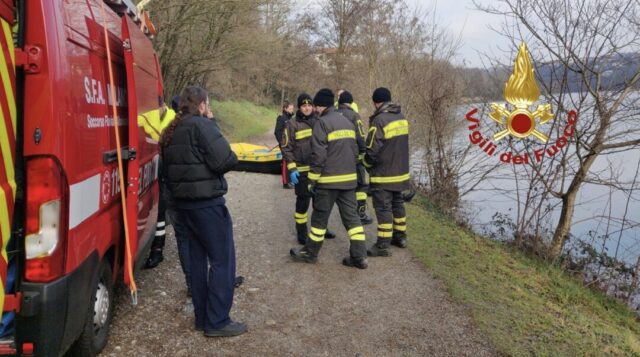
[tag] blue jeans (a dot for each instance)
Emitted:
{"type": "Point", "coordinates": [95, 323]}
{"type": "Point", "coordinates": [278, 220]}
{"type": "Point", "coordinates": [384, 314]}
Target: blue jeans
{"type": "Point", "coordinates": [182, 241]}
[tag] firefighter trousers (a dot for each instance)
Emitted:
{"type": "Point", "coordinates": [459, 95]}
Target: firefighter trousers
{"type": "Point", "coordinates": [159, 238]}
{"type": "Point", "coordinates": [392, 218]}
{"type": "Point", "coordinates": [323, 202]}
{"type": "Point", "coordinates": [303, 200]}
{"type": "Point", "coordinates": [363, 188]}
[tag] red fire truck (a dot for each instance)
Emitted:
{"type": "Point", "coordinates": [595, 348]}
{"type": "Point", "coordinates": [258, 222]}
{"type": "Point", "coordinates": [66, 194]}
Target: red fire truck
{"type": "Point", "coordinates": [74, 74]}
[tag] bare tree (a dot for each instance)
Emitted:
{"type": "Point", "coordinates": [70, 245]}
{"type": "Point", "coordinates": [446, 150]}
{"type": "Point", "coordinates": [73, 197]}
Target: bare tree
{"type": "Point", "coordinates": [337, 24]}
{"type": "Point", "coordinates": [579, 40]}
{"type": "Point", "coordinates": [251, 49]}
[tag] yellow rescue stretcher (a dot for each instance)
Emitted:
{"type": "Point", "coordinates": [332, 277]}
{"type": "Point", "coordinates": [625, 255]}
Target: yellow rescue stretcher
{"type": "Point", "coordinates": [257, 158]}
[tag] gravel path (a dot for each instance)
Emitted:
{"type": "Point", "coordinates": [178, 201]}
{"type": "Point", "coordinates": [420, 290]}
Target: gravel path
{"type": "Point", "coordinates": [394, 308]}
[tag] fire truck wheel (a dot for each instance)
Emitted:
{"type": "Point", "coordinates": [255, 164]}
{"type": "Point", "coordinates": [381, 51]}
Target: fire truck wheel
{"type": "Point", "coordinates": [95, 334]}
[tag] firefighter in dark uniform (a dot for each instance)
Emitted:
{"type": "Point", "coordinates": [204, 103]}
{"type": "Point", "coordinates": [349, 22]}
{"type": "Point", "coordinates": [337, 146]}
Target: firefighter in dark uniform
{"type": "Point", "coordinates": [333, 179]}
{"type": "Point", "coordinates": [158, 123]}
{"type": "Point", "coordinates": [344, 107]}
{"type": "Point", "coordinates": [387, 159]}
{"type": "Point", "coordinates": [296, 150]}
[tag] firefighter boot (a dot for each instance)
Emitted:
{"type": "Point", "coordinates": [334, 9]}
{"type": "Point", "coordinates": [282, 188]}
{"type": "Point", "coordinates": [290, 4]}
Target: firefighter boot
{"type": "Point", "coordinates": [362, 212]}
{"type": "Point", "coordinates": [399, 239]}
{"type": "Point", "coordinates": [155, 258]}
{"type": "Point", "coordinates": [303, 233]}
{"type": "Point", "coordinates": [329, 234]}
{"type": "Point", "coordinates": [357, 255]}
{"type": "Point", "coordinates": [380, 249]}
{"type": "Point", "coordinates": [360, 263]}
{"type": "Point", "coordinates": [308, 253]}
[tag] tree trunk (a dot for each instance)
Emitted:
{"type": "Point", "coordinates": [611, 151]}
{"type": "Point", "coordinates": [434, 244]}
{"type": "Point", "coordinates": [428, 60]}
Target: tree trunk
{"type": "Point", "coordinates": [568, 202]}
{"type": "Point", "coordinates": [564, 224]}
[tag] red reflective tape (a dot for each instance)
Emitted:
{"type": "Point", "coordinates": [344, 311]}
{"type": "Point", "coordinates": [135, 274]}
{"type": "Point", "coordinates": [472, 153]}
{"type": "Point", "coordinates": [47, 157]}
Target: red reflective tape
{"type": "Point", "coordinates": [8, 191]}
{"type": "Point", "coordinates": [4, 106]}
{"type": "Point", "coordinates": [12, 302]}
{"type": "Point", "coordinates": [3, 271]}
{"type": "Point", "coordinates": [6, 51]}
{"type": "Point", "coordinates": [8, 350]}
{"type": "Point", "coordinates": [6, 112]}
{"type": "Point", "coordinates": [6, 10]}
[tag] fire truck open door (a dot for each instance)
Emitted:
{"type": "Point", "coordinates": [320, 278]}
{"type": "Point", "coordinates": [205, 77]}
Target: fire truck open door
{"type": "Point", "coordinates": [144, 118]}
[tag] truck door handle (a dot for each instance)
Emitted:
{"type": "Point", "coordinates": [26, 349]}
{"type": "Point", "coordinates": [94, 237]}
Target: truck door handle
{"type": "Point", "coordinates": [112, 155]}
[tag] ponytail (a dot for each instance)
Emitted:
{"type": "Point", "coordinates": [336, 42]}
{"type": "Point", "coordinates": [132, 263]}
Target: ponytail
{"type": "Point", "coordinates": [190, 100]}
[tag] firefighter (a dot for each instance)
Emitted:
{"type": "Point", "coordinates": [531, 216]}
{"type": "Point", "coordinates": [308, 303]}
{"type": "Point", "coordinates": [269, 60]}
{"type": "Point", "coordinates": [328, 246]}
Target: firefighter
{"type": "Point", "coordinates": [345, 100]}
{"type": "Point", "coordinates": [333, 179]}
{"type": "Point", "coordinates": [157, 123]}
{"type": "Point", "coordinates": [296, 150]}
{"type": "Point", "coordinates": [387, 159]}
{"type": "Point", "coordinates": [354, 105]}
{"type": "Point", "coordinates": [287, 114]}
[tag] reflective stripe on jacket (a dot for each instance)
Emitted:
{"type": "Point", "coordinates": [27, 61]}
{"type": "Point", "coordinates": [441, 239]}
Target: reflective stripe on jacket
{"type": "Point", "coordinates": [387, 154]}
{"type": "Point", "coordinates": [334, 152]}
{"type": "Point", "coordinates": [355, 120]}
{"type": "Point", "coordinates": [296, 142]}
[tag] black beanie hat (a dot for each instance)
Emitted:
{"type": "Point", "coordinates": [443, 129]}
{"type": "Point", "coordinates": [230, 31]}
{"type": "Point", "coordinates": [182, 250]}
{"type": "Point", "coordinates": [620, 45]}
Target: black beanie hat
{"type": "Point", "coordinates": [175, 102]}
{"type": "Point", "coordinates": [345, 97]}
{"type": "Point", "coordinates": [304, 98]}
{"type": "Point", "coordinates": [324, 98]}
{"type": "Point", "coordinates": [381, 95]}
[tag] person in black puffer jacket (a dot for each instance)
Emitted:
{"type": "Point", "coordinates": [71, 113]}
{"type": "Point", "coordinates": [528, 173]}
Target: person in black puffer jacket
{"type": "Point", "coordinates": [281, 122]}
{"type": "Point", "coordinates": [195, 158]}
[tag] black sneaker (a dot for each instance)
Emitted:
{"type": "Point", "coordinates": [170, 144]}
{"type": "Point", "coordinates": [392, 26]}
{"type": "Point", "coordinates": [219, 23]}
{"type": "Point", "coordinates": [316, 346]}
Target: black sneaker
{"type": "Point", "coordinates": [155, 258]}
{"type": "Point", "coordinates": [399, 242]}
{"type": "Point", "coordinates": [329, 234]}
{"type": "Point", "coordinates": [360, 263]}
{"type": "Point", "coordinates": [232, 329]}
{"type": "Point", "coordinates": [288, 186]}
{"type": "Point", "coordinates": [376, 251]}
{"type": "Point", "coordinates": [302, 255]}
{"type": "Point", "coordinates": [239, 281]}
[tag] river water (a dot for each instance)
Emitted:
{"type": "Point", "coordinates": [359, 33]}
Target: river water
{"type": "Point", "coordinates": [500, 191]}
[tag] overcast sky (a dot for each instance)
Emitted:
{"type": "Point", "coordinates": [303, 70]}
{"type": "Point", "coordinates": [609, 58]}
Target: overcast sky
{"type": "Point", "coordinates": [462, 19]}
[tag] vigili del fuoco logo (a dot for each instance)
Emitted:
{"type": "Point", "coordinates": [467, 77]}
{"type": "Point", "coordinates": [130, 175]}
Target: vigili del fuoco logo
{"type": "Point", "coordinates": [521, 93]}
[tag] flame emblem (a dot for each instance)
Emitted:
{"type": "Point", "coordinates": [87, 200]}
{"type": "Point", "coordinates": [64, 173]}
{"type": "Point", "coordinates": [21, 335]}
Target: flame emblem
{"type": "Point", "coordinates": [521, 91]}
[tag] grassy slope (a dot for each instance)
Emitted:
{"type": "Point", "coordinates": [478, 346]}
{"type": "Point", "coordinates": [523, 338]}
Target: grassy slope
{"type": "Point", "coordinates": [524, 307]}
{"type": "Point", "coordinates": [240, 121]}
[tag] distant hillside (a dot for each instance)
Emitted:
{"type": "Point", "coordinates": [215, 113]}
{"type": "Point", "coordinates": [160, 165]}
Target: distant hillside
{"type": "Point", "coordinates": [487, 84]}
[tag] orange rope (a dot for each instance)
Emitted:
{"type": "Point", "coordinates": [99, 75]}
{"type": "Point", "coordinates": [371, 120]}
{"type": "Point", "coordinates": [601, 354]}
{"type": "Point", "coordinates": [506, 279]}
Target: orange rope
{"type": "Point", "coordinates": [128, 257]}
